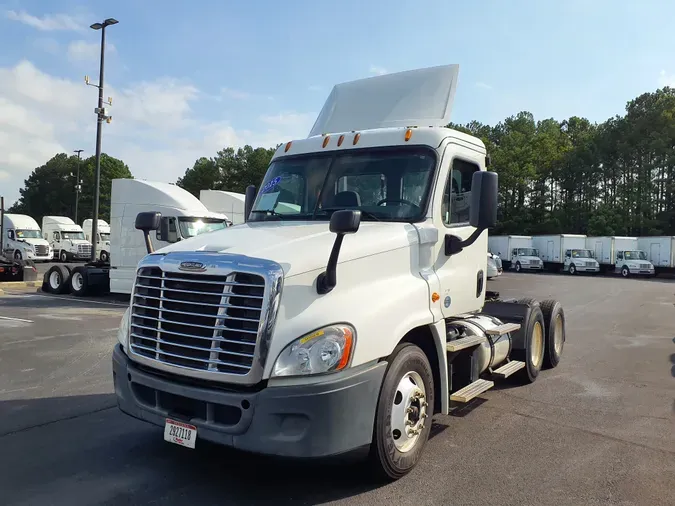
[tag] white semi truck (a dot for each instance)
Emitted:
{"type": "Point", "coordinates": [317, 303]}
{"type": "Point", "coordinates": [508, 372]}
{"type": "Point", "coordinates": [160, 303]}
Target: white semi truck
{"type": "Point", "coordinates": [103, 239]}
{"type": "Point", "coordinates": [183, 216]}
{"type": "Point", "coordinates": [518, 249]}
{"type": "Point", "coordinates": [66, 238]}
{"type": "Point", "coordinates": [566, 252]}
{"type": "Point", "coordinates": [231, 204]}
{"type": "Point", "coordinates": [660, 251]}
{"type": "Point", "coordinates": [621, 255]}
{"type": "Point", "coordinates": [23, 239]}
{"type": "Point", "coordinates": [352, 317]}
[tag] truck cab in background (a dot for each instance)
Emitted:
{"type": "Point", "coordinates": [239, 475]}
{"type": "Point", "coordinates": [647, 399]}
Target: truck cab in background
{"type": "Point", "coordinates": [350, 307]}
{"type": "Point", "coordinates": [580, 260]}
{"type": "Point", "coordinates": [633, 262]}
{"type": "Point", "coordinates": [103, 239]}
{"type": "Point", "coordinates": [23, 239]}
{"type": "Point", "coordinates": [66, 239]}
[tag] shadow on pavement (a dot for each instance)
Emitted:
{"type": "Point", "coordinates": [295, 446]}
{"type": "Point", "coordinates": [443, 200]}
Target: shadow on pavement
{"type": "Point", "coordinates": [101, 456]}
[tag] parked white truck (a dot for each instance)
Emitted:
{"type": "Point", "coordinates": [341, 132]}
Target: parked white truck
{"type": "Point", "coordinates": [23, 239]}
{"type": "Point", "coordinates": [183, 216]}
{"type": "Point", "coordinates": [566, 252]}
{"type": "Point", "coordinates": [66, 238]}
{"type": "Point", "coordinates": [103, 239]}
{"type": "Point", "coordinates": [660, 251]}
{"type": "Point", "coordinates": [519, 251]}
{"type": "Point", "coordinates": [230, 204]}
{"type": "Point", "coordinates": [621, 255]}
{"type": "Point", "coordinates": [352, 317]}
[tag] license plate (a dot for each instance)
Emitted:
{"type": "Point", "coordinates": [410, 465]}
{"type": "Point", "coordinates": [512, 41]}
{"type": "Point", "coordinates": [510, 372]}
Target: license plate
{"type": "Point", "coordinates": [180, 433]}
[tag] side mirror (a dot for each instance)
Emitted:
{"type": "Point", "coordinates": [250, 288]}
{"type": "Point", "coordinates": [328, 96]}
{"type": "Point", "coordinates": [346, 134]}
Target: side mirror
{"type": "Point", "coordinates": [146, 222]}
{"type": "Point", "coordinates": [345, 221]}
{"type": "Point", "coordinates": [483, 212]}
{"type": "Point", "coordinates": [249, 199]}
{"type": "Point", "coordinates": [165, 232]}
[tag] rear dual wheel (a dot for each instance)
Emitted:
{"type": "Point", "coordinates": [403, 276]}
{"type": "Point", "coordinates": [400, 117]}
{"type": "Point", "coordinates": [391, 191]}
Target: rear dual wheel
{"type": "Point", "coordinates": [57, 279]}
{"type": "Point", "coordinates": [535, 338]}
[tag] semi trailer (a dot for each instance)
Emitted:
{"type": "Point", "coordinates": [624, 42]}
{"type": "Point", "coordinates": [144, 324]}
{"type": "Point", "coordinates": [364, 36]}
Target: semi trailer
{"type": "Point", "coordinates": [351, 307]}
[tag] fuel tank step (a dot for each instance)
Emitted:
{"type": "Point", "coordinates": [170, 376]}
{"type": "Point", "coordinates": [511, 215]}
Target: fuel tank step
{"type": "Point", "coordinates": [465, 342]}
{"type": "Point", "coordinates": [473, 390]}
{"type": "Point", "coordinates": [508, 369]}
{"type": "Point", "coordinates": [504, 328]}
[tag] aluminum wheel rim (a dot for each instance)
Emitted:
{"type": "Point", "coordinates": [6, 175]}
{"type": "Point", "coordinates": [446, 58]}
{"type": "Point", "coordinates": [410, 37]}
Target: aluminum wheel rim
{"type": "Point", "coordinates": [572, 268]}
{"type": "Point", "coordinates": [77, 281]}
{"type": "Point", "coordinates": [537, 346]}
{"type": "Point", "coordinates": [558, 336]}
{"type": "Point", "coordinates": [408, 412]}
{"type": "Point", "coordinates": [55, 279]}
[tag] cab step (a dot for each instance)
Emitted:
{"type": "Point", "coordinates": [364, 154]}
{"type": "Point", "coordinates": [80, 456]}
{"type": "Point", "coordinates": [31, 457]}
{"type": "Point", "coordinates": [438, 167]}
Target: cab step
{"type": "Point", "coordinates": [504, 328]}
{"type": "Point", "coordinates": [472, 390]}
{"type": "Point", "coordinates": [508, 369]}
{"type": "Point", "coordinates": [464, 343]}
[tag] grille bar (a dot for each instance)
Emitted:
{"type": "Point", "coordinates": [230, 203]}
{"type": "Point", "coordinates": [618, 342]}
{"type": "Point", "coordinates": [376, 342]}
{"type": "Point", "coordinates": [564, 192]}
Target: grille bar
{"type": "Point", "coordinates": [186, 320]}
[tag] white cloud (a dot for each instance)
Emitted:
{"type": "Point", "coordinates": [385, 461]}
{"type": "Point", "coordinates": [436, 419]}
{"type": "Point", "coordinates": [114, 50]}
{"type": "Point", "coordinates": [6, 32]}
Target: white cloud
{"type": "Point", "coordinates": [483, 85]}
{"type": "Point", "coordinates": [235, 94]}
{"type": "Point", "coordinates": [81, 50]}
{"type": "Point", "coordinates": [48, 22]}
{"type": "Point", "coordinates": [48, 45]}
{"type": "Point", "coordinates": [155, 128]}
{"type": "Point", "coordinates": [374, 69]}
{"type": "Point", "coordinates": [666, 79]}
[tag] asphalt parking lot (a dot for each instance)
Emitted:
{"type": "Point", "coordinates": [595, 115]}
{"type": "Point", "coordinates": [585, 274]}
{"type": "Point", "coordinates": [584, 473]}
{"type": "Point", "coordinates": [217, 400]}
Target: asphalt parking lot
{"type": "Point", "coordinates": [599, 429]}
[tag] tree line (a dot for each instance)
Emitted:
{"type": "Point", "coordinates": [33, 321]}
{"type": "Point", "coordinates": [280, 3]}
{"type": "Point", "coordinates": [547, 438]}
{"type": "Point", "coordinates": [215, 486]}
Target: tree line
{"type": "Point", "coordinates": [569, 176]}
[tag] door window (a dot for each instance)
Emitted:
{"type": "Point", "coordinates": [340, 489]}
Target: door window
{"type": "Point", "coordinates": [457, 197]}
{"type": "Point", "coordinates": [57, 237]}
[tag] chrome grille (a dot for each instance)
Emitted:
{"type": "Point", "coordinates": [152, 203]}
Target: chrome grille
{"type": "Point", "coordinates": [41, 250]}
{"type": "Point", "coordinates": [645, 266]}
{"type": "Point", "coordinates": [589, 264]}
{"type": "Point", "coordinates": [197, 321]}
{"type": "Point", "coordinates": [535, 262]}
{"type": "Point", "coordinates": [84, 249]}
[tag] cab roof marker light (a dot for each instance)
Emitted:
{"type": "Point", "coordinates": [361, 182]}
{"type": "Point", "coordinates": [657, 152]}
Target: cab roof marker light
{"type": "Point", "coordinates": [356, 139]}
{"type": "Point", "coordinates": [341, 140]}
{"type": "Point", "coordinates": [408, 135]}
{"type": "Point", "coordinates": [288, 146]}
{"type": "Point", "coordinates": [326, 141]}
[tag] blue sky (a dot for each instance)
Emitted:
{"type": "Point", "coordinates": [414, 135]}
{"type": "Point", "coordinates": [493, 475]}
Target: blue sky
{"type": "Point", "coordinates": [190, 77]}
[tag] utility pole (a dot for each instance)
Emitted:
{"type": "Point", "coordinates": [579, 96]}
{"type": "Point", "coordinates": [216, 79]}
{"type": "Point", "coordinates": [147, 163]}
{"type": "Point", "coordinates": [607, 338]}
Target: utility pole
{"type": "Point", "coordinates": [100, 118]}
{"type": "Point", "coordinates": [78, 186]}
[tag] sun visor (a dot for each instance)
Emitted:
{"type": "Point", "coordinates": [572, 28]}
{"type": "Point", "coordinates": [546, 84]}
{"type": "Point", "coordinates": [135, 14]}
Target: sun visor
{"type": "Point", "coordinates": [421, 97]}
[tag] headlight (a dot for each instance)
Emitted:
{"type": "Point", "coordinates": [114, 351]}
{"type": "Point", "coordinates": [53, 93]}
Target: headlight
{"type": "Point", "coordinates": [123, 331]}
{"type": "Point", "coordinates": [325, 350]}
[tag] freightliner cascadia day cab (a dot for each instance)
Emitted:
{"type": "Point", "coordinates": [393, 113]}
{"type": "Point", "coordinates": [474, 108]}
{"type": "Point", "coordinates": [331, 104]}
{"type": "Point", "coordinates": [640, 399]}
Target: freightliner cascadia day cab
{"type": "Point", "coordinates": [23, 239]}
{"type": "Point", "coordinates": [351, 314]}
{"type": "Point", "coordinates": [103, 239]}
{"type": "Point", "coordinates": [621, 255]}
{"type": "Point", "coordinates": [518, 249]}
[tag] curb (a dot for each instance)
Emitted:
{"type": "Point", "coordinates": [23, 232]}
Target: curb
{"type": "Point", "coordinates": [12, 285]}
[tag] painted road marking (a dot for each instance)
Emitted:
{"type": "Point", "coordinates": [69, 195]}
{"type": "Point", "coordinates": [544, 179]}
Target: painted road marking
{"type": "Point", "coordinates": [16, 319]}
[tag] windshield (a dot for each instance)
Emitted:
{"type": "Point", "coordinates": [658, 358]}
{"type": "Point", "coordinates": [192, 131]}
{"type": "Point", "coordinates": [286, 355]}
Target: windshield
{"type": "Point", "coordinates": [28, 234]}
{"type": "Point", "coordinates": [190, 227]}
{"type": "Point", "coordinates": [528, 252]}
{"type": "Point", "coordinates": [104, 237]}
{"type": "Point", "coordinates": [72, 235]}
{"type": "Point", "coordinates": [634, 255]}
{"type": "Point", "coordinates": [581, 253]}
{"type": "Point", "coordinates": [386, 185]}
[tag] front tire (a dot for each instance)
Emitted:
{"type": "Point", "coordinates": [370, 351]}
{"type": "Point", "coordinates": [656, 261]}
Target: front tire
{"type": "Point", "coordinates": [518, 267]}
{"type": "Point", "coordinates": [104, 256]}
{"type": "Point", "coordinates": [625, 271]}
{"type": "Point", "coordinates": [573, 269]}
{"type": "Point", "coordinates": [403, 415]}
{"type": "Point", "coordinates": [63, 256]}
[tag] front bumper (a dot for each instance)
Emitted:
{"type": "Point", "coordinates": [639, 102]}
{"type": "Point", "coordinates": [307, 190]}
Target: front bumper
{"type": "Point", "coordinates": [583, 268]}
{"type": "Point", "coordinates": [311, 420]}
{"type": "Point", "coordinates": [531, 267]}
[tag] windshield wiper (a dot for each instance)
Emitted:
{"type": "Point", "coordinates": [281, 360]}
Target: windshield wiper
{"type": "Point", "coordinates": [368, 214]}
{"type": "Point", "coordinates": [268, 212]}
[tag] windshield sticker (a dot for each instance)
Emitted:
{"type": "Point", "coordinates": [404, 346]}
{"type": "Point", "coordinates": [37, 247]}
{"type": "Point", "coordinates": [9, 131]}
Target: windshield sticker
{"type": "Point", "coordinates": [271, 185]}
{"type": "Point", "coordinates": [268, 201]}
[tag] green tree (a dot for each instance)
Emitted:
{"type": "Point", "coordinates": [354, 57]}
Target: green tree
{"type": "Point", "coordinates": [50, 189]}
{"type": "Point", "coordinates": [204, 175]}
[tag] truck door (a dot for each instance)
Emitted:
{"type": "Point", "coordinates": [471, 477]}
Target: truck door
{"type": "Point", "coordinates": [655, 253]}
{"type": "Point", "coordinates": [598, 251]}
{"type": "Point", "coordinates": [462, 276]}
{"type": "Point", "coordinates": [549, 251]}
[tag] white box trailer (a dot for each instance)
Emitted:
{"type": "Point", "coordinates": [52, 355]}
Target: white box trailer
{"type": "Point", "coordinates": [565, 251]}
{"type": "Point", "coordinates": [660, 251]}
{"type": "Point", "coordinates": [620, 254]}
{"type": "Point", "coordinates": [516, 251]}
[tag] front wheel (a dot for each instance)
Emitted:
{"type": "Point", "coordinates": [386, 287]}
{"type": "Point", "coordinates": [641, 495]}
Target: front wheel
{"type": "Point", "coordinates": [573, 269]}
{"type": "Point", "coordinates": [518, 267]}
{"type": "Point", "coordinates": [104, 256]}
{"type": "Point", "coordinates": [404, 410]}
{"type": "Point", "coordinates": [625, 271]}
{"type": "Point", "coordinates": [63, 256]}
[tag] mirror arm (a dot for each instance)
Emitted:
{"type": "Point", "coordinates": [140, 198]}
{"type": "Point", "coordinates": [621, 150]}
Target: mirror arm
{"type": "Point", "coordinates": [454, 244]}
{"type": "Point", "coordinates": [148, 242]}
{"type": "Point", "coordinates": [327, 280]}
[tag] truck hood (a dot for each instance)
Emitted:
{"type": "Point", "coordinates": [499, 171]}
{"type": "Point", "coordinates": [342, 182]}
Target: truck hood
{"type": "Point", "coordinates": [300, 247]}
{"type": "Point", "coordinates": [36, 242]}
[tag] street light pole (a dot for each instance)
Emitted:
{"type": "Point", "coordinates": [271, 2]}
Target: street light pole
{"type": "Point", "coordinates": [77, 181]}
{"type": "Point", "coordinates": [100, 117]}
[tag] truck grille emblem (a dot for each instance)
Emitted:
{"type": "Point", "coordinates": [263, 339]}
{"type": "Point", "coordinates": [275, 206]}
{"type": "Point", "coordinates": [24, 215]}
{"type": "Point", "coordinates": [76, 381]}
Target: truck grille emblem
{"type": "Point", "coordinates": [192, 266]}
